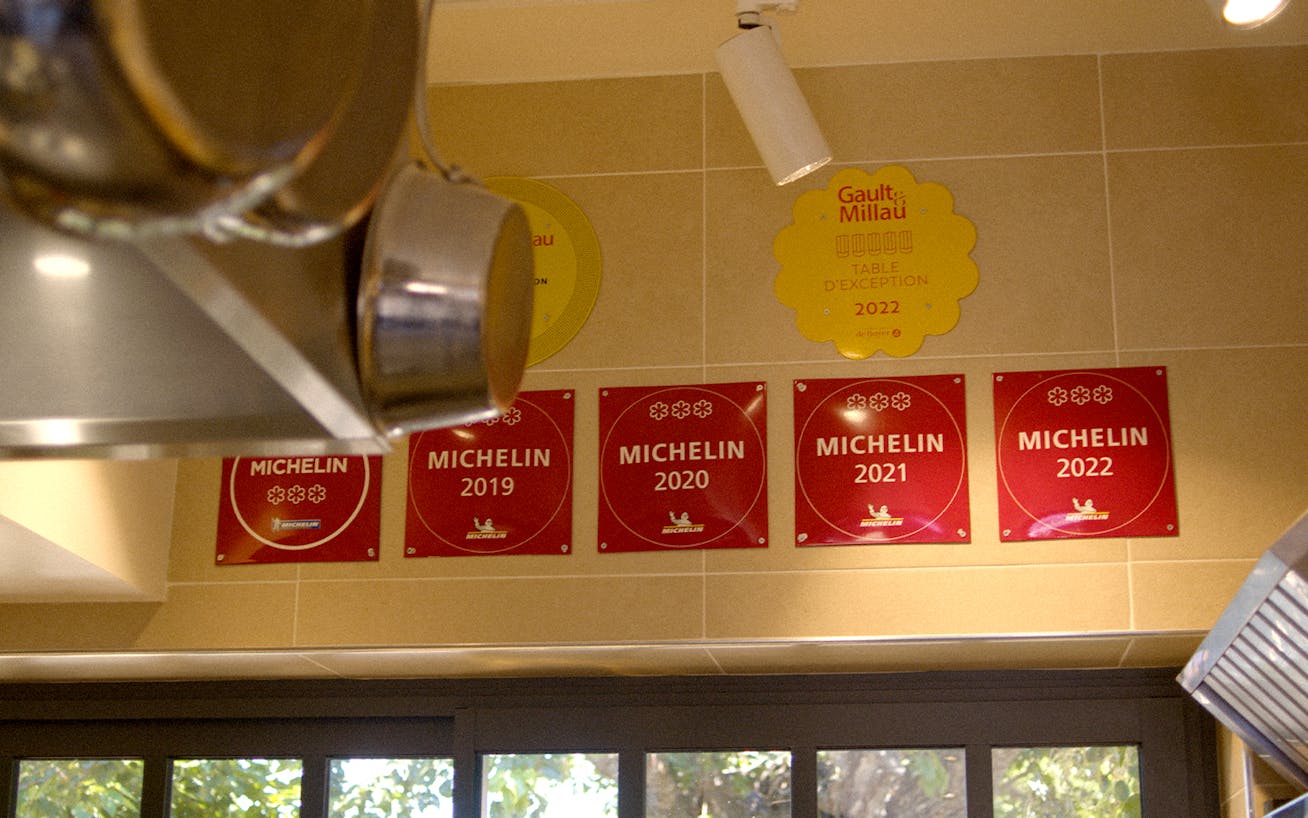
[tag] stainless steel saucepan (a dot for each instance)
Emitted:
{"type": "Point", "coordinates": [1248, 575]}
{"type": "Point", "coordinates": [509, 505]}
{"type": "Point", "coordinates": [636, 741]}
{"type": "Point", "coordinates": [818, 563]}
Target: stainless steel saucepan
{"type": "Point", "coordinates": [445, 302]}
{"type": "Point", "coordinates": [124, 118]}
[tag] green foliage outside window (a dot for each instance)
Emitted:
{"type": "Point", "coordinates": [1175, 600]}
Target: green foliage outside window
{"type": "Point", "coordinates": [391, 788]}
{"type": "Point", "coordinates": [923, 783]}
{"type": "Point", "coordinates": [79, 788]}
{"type": "Point", "coordinates": [250, 788]}
{"type": "Point", "coordinates": [1048, 782]}
{"type": "Point", "coordinates": [545, 785]}
{"type": "Point", "coordinates": [741, 784]}
{"type": "Point", "coordinates": [1067, 782]}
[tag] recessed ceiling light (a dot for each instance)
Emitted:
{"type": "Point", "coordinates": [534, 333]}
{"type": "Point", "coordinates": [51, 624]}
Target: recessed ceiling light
{"type": "Point", "coordinates": [1250, 13]}
{"type": "Point", "coordinates": [61, 265]}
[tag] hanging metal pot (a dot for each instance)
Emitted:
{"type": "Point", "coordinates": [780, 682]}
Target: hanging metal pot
{"type": "Point", "coordinates": [445, 302]}
{"type": "Point", "coordinates": [341, 184]}
{"type": "Point", "coordinates": [127, 118]}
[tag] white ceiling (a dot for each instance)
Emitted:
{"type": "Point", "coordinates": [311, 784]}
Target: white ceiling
{"type": "Point", "coordinates": [525, 40]}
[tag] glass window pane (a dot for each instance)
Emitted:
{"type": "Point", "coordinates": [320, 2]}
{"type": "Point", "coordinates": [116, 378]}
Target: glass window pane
{"type": "Point", "coordinates": [892, 783]}
{"type": "Point", "coordinates": [90, 787]}
{"type": "Point", "coordinates": [1066, 782]}
{"type": "Point", "coordinates": [550, 785]}
{"type": "Point", "coordinates": [248, 787]}
{"type": "Point", "coordinates": [391, 788]}
{"type": "Point", "coordinates": [734, 784]}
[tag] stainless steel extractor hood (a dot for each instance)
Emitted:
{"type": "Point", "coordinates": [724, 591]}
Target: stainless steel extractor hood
{"type": "Point", "coordinates": [179, 346]}
{"type": "Point", "coordinates": [104, 354]}
{"type": "Point", "coordinates": [210, 242]}
{"type": "Point", "coordinates": [1251, 672]}
{"type": "Point", "coordinates": [1298, 808]}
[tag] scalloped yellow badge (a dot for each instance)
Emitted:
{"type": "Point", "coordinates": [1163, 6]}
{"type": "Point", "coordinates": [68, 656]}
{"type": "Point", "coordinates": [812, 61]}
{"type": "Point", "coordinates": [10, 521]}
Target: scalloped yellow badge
{"type": "Point", "coordinates": [875, 262]}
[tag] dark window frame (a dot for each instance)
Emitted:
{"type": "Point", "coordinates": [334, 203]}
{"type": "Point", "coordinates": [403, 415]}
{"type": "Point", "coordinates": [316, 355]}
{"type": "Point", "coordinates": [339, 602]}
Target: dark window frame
{"type": "Point", "coordinates": [463, 719]}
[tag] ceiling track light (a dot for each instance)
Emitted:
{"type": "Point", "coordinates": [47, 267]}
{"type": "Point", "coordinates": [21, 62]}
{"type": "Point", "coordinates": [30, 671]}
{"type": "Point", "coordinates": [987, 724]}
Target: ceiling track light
{"type": "Point", "coordinates": [1247, 13]}
{"type": "Point", "coordinates": [768, 98]}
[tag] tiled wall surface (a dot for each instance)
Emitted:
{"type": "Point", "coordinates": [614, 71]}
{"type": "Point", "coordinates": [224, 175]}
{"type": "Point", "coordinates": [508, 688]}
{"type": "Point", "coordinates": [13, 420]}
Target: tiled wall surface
{"type": "Point", "coordinates": [1250, 787]}
{"type": "Point", "coordinates": [1134, 209]}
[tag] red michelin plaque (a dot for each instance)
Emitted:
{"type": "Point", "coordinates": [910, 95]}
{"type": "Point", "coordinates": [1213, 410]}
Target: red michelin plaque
{"type": "Point", "coordinates": [881, 460]}
{"type": "Point", "coordinates": [299, 509]}
{"type": "Point", "coordinates": [1084, 453]}
{"type": "Point", "coordinates": [498, 486]}
{"type": "Point", "coordinates": [683, 467]}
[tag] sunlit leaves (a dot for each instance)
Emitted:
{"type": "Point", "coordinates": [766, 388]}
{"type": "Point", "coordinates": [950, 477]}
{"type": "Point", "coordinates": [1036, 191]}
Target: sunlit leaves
{"type": "Point", "coordinates": [81, 788]}
{"type": "Point", "coordinates": [924, 783]}
{"type": "Point", "coordinates": [550, 785]}
{"type": "Point", "coordinates": [391, 788]}
{"type": "Point", "coordinates": [1042, 782]}
{"type": "Point", "coordinates": [743, 784]}
{"type": "Point", "coordinates": [1067, 782]}
{"type": "Point", "coordinates": [250, 788]}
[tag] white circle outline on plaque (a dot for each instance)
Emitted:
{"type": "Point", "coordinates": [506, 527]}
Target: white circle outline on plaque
{"type": "Point", "coordinates": [1162, 480]}
{"type": "Point", "coordinates": [567, 483]}
{"type": "Point", "coordinates": [962, 471]}
{"type": "Point", "coordinates": [757, 493]}
{"type": "Point", "coordinates": [363, 496]}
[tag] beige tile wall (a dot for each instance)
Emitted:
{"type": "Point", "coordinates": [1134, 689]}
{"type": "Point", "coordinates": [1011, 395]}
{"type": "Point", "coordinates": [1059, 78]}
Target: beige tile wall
{"type": "Point", "coordinates": [1136, 209]}
{"type": "Point", "coordinates": [1251, 788]}
{"type": "Point", "coordinates": [1233, 775]}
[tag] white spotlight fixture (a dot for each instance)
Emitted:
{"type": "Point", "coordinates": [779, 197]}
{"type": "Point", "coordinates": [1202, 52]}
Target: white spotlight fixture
{"type": "Point", "coordinates": [1248, 13]}
{"type": "Point", "coordinates": [767, 96]}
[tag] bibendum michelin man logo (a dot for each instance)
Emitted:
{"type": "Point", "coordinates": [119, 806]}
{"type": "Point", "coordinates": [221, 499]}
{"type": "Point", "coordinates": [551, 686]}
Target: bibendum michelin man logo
{"type": "Point", "coordinates": [682, 524]}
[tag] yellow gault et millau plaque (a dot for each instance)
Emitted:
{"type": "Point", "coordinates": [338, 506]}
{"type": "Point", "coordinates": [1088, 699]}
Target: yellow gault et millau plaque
{"type": "Point", "coordinates": [875, 262]}
{"type": "Point", "coordinates": [566, 254]}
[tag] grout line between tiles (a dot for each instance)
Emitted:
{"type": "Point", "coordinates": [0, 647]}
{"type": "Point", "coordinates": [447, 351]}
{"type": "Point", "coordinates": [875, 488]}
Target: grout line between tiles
{"type": "Point", "coordinates": [675, 644]}
{"type": "Point", "coordinates": [708, 650]}
{"type": "Point", "coordinates": [1102, 150]}
{"type": "Point", "coordinates": [1130, 586]}
{"type": "Point", "coordinates": [1108, 215]}
{"type": "Point", "coordinates": [608, 174]}
{"type": "Point", "coordinates": [538, 77]}
{"type": "Point", "coordinates": [703, 227]}
{"type": "Point", "coordinates": [1126, 649]}
{"type": "Point", "coordinates": [295, 606]}
{"type": "Point", "coordinates": [1297, 143]}
{"type": "Point", "coordinates": [707, 574]}
{"type": "Point", "coordinates": [1040, 55]}
{"type": "Point", "coordinates": [1202, 561]}
{"type": "Point", "coordinates": [926, 357]}
{"type": "Point", "coordinates": [820, 361]}
{"type": "Point", "coordinates": [703, 595]}
{"type": "Point", "coordinates": [961, 157]}
{"type": "Point", "coordinates": [634, 368]}
{"type": "Point", "coordinates": [200, 583]}
{"type": "Point", "coordinates": [1215, 348]}
{"type": "Point", "coordinates": [514, 578]}
{"type": "Point", "coordinates": [306, 657]}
